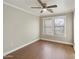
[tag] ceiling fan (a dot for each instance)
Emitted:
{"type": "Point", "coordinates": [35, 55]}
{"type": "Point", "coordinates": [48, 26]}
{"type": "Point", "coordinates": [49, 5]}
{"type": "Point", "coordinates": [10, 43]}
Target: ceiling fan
{"type": "Point", "coordinates": [45, 7]}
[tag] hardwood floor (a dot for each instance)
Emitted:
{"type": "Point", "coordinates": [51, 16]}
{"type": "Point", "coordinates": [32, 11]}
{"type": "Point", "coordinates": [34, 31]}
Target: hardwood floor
{"type": "Point", "coordinates": [43, 50]}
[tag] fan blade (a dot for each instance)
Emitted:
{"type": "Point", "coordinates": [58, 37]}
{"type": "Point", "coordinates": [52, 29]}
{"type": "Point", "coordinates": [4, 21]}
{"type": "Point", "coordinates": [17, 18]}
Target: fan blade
{"type": "Point", "coordinates": [41, 11]}
{"type": "Point", "coordinates": [41, 3]}
{"type": "Point", "coordinates": [50, 10]}
{"type": "Point", "coordinates": [36, 7]}
{"type": "Point", "coordinates": [52, 6]}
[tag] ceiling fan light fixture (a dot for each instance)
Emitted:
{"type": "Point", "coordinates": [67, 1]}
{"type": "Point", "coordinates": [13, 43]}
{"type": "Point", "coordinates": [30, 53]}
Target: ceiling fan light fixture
{"type": "Point", "coordinates": [44, 9]}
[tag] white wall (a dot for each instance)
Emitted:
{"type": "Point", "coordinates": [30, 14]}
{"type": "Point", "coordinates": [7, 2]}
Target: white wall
{"type": "Point", "coordinates": [69, 27]}
{"type": "Point", "coordinates": [67, 37]}
{"type": "Point", "coordinates": [19, 28]}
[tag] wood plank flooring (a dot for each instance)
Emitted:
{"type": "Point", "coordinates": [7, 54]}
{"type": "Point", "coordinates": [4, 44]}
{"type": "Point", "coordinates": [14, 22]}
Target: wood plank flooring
{"type": "Point", "coordinates": [43, 50]}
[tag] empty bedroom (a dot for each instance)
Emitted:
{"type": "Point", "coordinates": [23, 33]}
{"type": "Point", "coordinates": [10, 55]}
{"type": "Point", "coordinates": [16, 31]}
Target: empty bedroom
{"type": "Point", "coordinates": [38, 29]}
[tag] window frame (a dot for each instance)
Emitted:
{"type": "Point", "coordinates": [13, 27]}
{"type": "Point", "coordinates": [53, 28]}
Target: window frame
{"type": "Point", "coordinates": [60, 17]}
{"type": "Point", "coordinates": [53, 18]}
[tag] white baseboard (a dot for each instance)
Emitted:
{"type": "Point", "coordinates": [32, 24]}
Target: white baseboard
{"type": "Point", "coordinates": [33, 42]}
{"type": "Point", "coordinates": [19, 47]}
{"type": "Point", "coordinates": [57, 41]}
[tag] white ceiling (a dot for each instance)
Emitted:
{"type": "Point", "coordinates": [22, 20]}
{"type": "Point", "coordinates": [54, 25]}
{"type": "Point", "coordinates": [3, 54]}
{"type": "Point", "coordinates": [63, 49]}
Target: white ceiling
{"type": "Point", "coordinates": [64, 6]}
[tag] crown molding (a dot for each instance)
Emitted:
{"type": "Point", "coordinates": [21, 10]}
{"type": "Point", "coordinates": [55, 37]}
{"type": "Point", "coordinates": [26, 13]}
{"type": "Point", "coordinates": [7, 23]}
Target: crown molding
{"type": "Point", "coordinates": [19, 8]}
{"type": "Point", "coordinates": [59, 14]}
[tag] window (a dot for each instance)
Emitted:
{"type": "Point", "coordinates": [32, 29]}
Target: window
{"type": "Point", "coordinates": [59, 25]}
{"type": "Point", "coordinates": [53, 26]}
{"type": "Point", "coordinates": [48, 28]}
